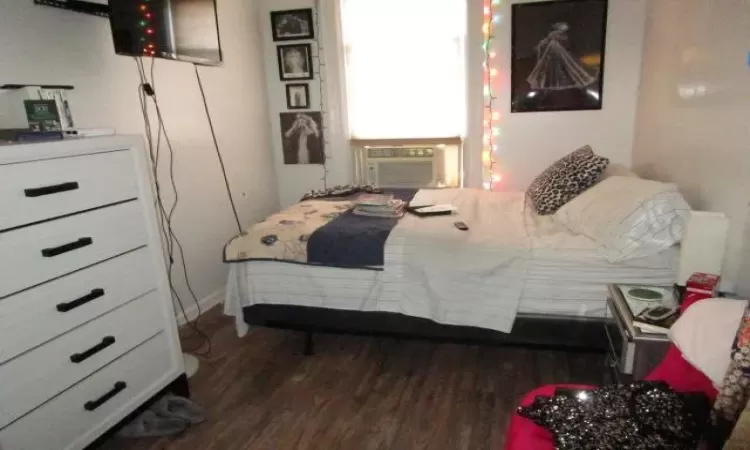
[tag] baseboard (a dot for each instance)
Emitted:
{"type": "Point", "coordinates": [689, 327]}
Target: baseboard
{"type": "Point", "coordinates": [206, 303]}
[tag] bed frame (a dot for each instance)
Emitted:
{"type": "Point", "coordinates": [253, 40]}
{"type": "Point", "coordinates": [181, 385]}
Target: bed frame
{"type": "Point", "coordinates": [546, 331]}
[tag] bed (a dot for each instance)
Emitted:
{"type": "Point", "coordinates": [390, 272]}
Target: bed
{"type": "Point", "coordinates": [515, 277]}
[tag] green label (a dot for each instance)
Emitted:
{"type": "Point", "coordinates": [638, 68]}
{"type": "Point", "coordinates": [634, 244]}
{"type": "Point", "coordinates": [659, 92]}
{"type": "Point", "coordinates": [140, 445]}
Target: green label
{"type": "Point", "coordinates": [42, 115]}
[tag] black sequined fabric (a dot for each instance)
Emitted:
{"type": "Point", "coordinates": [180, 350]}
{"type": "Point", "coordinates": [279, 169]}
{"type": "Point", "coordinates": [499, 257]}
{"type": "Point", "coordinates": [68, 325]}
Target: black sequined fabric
{"type": "Point", "coordinates": [637, 416]}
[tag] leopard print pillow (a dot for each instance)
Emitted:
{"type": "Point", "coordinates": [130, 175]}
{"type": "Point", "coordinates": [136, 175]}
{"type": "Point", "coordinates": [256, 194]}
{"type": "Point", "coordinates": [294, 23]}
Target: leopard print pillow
{"type": "Point", "coordinates": [565, 179]}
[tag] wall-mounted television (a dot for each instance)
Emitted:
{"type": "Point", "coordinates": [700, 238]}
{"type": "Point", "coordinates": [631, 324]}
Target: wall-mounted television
{"type": "Point", "coordinates": [182, 30]}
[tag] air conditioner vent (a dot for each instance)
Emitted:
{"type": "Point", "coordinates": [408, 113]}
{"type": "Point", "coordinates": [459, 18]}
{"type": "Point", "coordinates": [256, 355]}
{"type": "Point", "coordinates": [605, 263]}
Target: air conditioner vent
{"type": "Point", "coordinates": [405, 174]}
{"type": "Point", "coordinates": [411, 167]}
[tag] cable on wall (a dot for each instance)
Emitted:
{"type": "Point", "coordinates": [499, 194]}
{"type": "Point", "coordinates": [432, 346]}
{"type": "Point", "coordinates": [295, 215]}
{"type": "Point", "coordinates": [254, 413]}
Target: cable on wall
{"type": "Point", "coordinates": [154, 157]}
{"type": "Point", "coordinates": [146, 90]}
{"type": "Point", "coordinates": [491, 119]}
{"type": "Point", "coordinates": [319, 56]}
{"type": "Point", "coordinates": [218, 152]}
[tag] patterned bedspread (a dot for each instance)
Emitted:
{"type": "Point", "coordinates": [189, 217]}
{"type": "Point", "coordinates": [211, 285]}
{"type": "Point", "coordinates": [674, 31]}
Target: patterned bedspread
{"type": "Point", "coordinates": [317, 232]}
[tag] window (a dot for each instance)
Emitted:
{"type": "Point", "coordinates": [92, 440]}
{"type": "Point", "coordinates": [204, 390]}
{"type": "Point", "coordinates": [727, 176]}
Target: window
{"type": "Point", "coordinates": [405, 68]}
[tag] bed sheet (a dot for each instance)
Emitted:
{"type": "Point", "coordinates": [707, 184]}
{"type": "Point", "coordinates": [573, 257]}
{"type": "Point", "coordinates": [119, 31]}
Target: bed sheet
{"type": "Point", "coordinates": [562, 289]}
{"type": "Point", "coordinates": [512, 260]}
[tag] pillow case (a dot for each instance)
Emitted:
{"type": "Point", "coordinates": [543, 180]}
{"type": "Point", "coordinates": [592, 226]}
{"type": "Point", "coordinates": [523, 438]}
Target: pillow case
{"type": "Point", "coordinates": [704, 333]}
{"type": "Point", "coordinates": [628, 217]}
{"type": "Point", "coordinates": [565, 179]}
{"type": "Point", "coordinates": [617, 170]}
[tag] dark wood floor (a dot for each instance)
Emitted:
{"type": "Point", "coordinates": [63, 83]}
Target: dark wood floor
{"type": "Point", "coordinates": [360, 392]}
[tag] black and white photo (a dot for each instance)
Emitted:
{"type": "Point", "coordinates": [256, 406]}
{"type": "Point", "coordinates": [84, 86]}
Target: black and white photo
{"type": "Point", "coordinates": [293, 24]}
{"type": "Point", "coordinates": [295, 62]}
{"type": "Point", "coordinates": [302, 137]}
{"type": "Point", "coordinates": [297, 96]}
{"type": "Point", "coordinates": [558, 55]}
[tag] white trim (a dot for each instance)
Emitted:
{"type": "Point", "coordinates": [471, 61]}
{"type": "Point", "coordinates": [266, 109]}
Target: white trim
{"type": "Point", "coordinates": [206, 303]}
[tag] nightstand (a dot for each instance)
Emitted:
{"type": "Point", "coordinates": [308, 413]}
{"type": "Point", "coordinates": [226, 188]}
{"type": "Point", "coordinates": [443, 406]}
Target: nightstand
{"type": "Point", "coordinates": [632, 354]}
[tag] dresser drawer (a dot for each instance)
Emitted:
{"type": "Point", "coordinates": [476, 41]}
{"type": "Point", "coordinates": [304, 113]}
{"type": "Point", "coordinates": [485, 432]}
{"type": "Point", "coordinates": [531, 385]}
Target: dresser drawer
{"type": "Point", "coordinates": [31, 318]}
{"type": "Point", "coordinates": [77, 416]}
{"type": "Point", "coordinates": [40, 190]}
{"type": "Point", "coordinates": [75, 355]}
{"type": "Point", "coordinates": [35, 254]}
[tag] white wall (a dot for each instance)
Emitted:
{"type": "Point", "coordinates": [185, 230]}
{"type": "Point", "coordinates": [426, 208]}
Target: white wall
{"type": "Point", "coordinates": [295, 180]}
{"type": "Point", "coordinates": [47, 45]}
{"type": "Point", "coordinates": [532, 141]}
{"type": "Point", "coordinates": [743, 270]}
{"type": "Point", "coordinates": [693, 109]}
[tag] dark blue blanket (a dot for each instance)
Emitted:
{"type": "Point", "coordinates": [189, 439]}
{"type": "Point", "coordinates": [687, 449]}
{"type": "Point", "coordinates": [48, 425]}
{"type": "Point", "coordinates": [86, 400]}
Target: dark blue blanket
{"type": "Point", "coordinates": [354, 241]}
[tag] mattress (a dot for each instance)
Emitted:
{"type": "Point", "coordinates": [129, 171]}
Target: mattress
{"type": "Point", "coordinates": [512, 261]}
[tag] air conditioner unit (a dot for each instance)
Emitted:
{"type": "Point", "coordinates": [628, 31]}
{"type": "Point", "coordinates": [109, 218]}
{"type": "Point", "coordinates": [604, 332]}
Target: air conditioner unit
{"type": "Point", "coordinates": [409, 167]}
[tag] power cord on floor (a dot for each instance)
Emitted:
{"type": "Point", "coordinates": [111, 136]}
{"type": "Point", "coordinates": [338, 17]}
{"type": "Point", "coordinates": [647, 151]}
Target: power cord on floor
{"type": "Point", "coordinates": [146, 90]}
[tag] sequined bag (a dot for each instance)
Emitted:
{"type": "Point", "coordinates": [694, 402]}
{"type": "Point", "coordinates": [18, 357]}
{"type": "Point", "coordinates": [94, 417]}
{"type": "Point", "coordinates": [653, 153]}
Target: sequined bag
{"type": "Point", "coordinates": [643, 415]}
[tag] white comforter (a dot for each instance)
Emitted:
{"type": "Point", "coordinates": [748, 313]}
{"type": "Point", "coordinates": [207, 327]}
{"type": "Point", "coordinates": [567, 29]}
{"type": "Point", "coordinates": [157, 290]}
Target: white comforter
{"type": "Point", "coordinates": [432, 269]}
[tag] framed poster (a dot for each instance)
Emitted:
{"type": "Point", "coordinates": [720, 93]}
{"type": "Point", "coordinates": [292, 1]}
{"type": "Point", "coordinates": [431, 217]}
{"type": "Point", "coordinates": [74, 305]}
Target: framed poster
{"type": "Point", "coordinates": [295, 62]}
{"type": "Point", "coordinates": [292, 24]}
{"type": "Point", "coordinates": [302, 137]}
{"type": "Point", "coordinates": [558, 55]}
{"type": "Point", "coordinates": [297, 96]}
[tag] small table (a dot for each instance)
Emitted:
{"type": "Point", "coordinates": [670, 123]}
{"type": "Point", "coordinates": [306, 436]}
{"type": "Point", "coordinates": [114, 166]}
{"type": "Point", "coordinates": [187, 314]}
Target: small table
{"type": "Point", "coordinates": [633, 353]}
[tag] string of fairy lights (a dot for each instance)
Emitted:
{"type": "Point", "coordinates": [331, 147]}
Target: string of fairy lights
{"type": "Point", "coordinates": [149, 47]}
{"type": "Point", "coordinates": [492, 120]}
{"type": "Point", "coordinates": [320, 57]}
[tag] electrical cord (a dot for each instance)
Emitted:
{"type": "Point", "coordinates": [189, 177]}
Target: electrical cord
{"type": "Point", "coordinates": [165, 229]}
{"type": "Point", "coordinates": [150, 86]}
{"type": "Point", "coordinates": [166, 226]}
{"type": "Point", "coordinates": [154, 161]}
{"type": "Point", "coordinates": [173, 236]}
{"type": "Point", "coordinates": [163, 218]}
{"type": "Point", "coordinates": [216, 146]}
{"type": "Point", "coordinates": [146, 90]}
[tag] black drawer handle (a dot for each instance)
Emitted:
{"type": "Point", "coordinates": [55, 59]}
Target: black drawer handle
{"type": "Point", "coordinates": [73, 304]}
{"type": "Point", "coordinates": [65, 248]}
{"type": "Point", "coordinates": [54, 189]}
{"type": "Point", "coordinates": [80, 357]}
{"type": "Point", "coordinates": [93, 404]}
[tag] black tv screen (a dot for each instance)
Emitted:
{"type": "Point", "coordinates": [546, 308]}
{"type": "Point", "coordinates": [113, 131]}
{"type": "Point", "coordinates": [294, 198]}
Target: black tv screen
{"type": "Point", "coordinates": [183, 30]}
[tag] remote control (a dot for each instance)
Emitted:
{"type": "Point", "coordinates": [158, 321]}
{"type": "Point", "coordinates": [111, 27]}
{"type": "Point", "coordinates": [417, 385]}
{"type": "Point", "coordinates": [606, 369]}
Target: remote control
{"type": "Point", "coordinates": [461, 226]}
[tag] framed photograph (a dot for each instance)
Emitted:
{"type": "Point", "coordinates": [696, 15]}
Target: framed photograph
{"type": "Point", "coordinates": [292, 24]}
{"type": "Point", "coordinates": [297, 96]}
{"type": "Point", "coordinates": [558, 55]}
{"type": "Point", "coordinates": [295, 62]}
{"type": "Point", "coordinates": [302, 137]}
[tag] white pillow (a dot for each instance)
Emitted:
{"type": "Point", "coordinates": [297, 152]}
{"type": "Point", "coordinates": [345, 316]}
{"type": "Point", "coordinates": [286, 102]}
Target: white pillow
{"type": "Point", "coordinates": [628, 217]}
{"type": "Point", "coordinates": [705, 333]}
{"type": "Point", "coordinates": [617, 170]}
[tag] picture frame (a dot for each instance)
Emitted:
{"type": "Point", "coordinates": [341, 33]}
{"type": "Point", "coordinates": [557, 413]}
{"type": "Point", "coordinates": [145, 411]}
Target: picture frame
{"type": "Point", "coordinates": [292, 25]}
{"type": "Point", "coordinates": [557, 55]}
{"type": "Point", "coordinates": [295, 62]}
{"type": "Point", "coordinates": [297, 96]}
{"type": "Point", "coordinates": [302, 137]}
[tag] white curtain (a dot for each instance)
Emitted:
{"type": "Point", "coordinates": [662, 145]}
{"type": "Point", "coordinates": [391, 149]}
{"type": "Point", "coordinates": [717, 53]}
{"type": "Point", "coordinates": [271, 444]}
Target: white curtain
{"type": "Point", "coordinates": [405, 68]}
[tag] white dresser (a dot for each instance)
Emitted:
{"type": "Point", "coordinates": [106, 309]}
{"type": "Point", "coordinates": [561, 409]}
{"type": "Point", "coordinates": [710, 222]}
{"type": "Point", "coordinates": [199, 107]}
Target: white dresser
{"type": "Point", "coordinates": [87, 329]}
